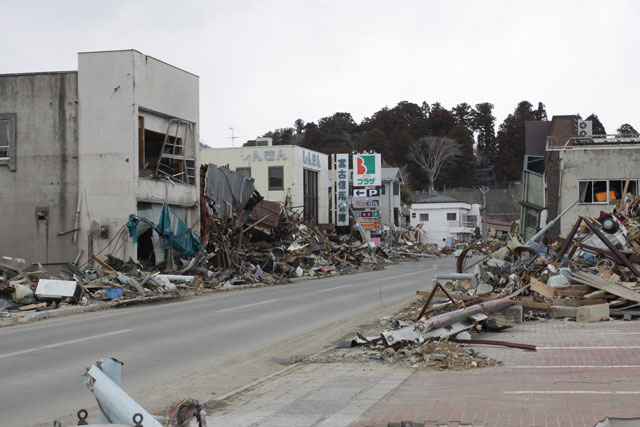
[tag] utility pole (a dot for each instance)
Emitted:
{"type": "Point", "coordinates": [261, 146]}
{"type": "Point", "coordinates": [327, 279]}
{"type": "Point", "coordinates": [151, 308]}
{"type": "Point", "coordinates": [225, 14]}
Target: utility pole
{"type": "Point", "coordinates": [484, 190]}
{"type": "Point", "coordinates": [233, 137]}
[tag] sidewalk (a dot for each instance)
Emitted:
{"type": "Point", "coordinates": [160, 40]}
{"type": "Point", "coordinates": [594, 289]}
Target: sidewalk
{"type": "Point", "coordinates": [581, 373]}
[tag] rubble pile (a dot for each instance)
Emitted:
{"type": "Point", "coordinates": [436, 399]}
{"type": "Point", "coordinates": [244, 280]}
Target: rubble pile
{"type": "Point", "coordinates": [251, 240]}
{"type": "Point", "coordinates": [26, 287]}
{"type": "Point", "coordinates": [590, 276]}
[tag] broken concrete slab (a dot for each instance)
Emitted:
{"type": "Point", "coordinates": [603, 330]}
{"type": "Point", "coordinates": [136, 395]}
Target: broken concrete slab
{"type": "Point", "coordinates": [592, 313]}
{"type": "Point", "coordinates": [558, 311]}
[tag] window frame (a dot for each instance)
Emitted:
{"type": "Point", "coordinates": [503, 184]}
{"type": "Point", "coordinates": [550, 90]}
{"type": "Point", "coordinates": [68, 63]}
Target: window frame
{"type": "Point", "coordinates": [10, 160]}
{"type": "Point", "coordinates": [422, 217]}
{"type": "Point", "coordinates": [274, 187]}
{"type": "Point", "coordinates": [455, 216]}
{"type": "Point", "coordinates": [586, 184]}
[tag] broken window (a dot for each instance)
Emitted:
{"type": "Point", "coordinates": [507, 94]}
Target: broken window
{"type": "Point", "coordinates": [424, 217]}
{"type": "Point", "coordinates": [276, 178]}
{"type": "Point", "coordinates": [396, 188]}
{"type": "Point", "coordinates": [168, 152]}
{"type": "Point", "coordinates": [246, 172]}
{"type": "Point", "coordinates": [604, 191]}
{"type": "Point", "coordinates": [310, 186]}
{"type": "Point", "coordinates": [451, 216]}
{"type": "Point", "coordinates": [8, 140]}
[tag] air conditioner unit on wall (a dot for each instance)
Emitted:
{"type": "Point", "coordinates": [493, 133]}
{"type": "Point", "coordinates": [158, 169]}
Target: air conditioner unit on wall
{"type": "Point", "coordinates": [585, 128]}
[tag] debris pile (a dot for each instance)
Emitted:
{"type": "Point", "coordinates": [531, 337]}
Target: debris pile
{"type": "Point", "coordinates": [25, 287]}
{"type": "Point", "coordinates": [251, 240]}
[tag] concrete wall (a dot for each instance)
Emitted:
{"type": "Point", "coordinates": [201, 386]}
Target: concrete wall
{"type": "Point", "coordinates": [290, 157]}
{"type": "Point", "coordinates": [46, 175]}
{"type": "Point", "coordinates": [114, 89]}
{"type": "Point", "coordinates": [591, 163]}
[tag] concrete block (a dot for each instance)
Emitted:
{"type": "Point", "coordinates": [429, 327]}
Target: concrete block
{"type": "Point", "coordinates": [515, 311]}
{"type": "Point", "coordinates": [592, 313]}
{"type": "Point", "coordinates": [557, 311]}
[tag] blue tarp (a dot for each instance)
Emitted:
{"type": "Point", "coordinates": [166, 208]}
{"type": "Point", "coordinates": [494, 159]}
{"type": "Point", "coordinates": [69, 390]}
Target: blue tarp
{"type": "Point", "coordinates": [176, 234]}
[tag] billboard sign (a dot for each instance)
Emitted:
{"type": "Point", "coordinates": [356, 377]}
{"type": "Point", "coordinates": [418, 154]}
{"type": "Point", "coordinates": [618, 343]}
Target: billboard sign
{"type": "Point", "coordinates": [370, 203]}
{"type": "Point", "coordinates": [367, 170]}
{"type": "Point", "coordinates": [342, 190]}
{"type": "Point", "coordinates": [370, 225]}
{"type": "Point", "coordinates": [366, 192]}
{"type": "Point", "coordinates": [368, 214]}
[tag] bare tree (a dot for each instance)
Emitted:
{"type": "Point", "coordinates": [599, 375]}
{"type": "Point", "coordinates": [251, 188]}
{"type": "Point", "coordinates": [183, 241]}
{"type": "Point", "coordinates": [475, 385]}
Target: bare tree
{"type": "Point", "coordinates": [431, 153]}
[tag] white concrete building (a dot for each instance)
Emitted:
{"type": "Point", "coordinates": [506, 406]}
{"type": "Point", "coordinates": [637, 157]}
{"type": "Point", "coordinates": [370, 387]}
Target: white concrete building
{"type": "Point", "coordinates": [445, 218]}
{"type": "Point", "coordinates": [288, 174]}
{"type": "Point", "coordinates": [91, 139]}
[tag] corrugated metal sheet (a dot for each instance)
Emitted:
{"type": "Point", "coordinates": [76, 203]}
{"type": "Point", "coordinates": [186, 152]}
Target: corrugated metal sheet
{"type": "Point", "coordinates": [229, 191]}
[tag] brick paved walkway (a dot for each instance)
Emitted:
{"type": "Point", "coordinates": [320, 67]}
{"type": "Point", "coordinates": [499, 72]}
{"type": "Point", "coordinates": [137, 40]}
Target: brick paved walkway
{"type": "Point", "coordinates": [580, 374]}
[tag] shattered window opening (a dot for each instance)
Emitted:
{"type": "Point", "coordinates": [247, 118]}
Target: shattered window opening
{"type": "Point", "coordinates": [165, 154]}
{"type": "Point", "coordinates": [276, 178]}
{"type": "Point", "coordinates": [8, 140]}
{"type": "Point", "coordinates": [424, 217]}
{"type": "Point", "coordinates": [604, 191]}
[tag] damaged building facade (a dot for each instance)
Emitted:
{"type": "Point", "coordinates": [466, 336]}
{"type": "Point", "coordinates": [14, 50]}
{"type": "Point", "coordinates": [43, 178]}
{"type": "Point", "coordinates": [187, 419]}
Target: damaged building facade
{"type": "Point", "coordinates": [565, 162]}
{"type": "Point", "coordinates": [82, 150]}
{"type": "Point", "coordinates": [288, 174]}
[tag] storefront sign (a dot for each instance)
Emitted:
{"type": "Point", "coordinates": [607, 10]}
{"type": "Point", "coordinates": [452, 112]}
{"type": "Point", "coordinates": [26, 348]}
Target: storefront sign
{"type": "Point", "coordinates": [342, 189]}
{"type": "Point", "coordinates": [311, 159]}
{"type": "Point", "coordinates": [370, 225]}
{"type": "Point", "coordinates": [269, 156]}
{"type": "Point", "coordinates": [368, 214]}
{"type": "Point", "coordinates": [367, 170]}
{"type": "Point", "coordinates": [366, 203]}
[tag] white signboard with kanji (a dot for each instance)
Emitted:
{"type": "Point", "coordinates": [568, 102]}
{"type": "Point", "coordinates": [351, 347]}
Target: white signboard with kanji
{"type": "Point", "coordinates": [342, 189]}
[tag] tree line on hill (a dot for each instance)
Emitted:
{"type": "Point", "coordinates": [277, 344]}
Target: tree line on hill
{"type": "Point", "coordinates": [409, 133]}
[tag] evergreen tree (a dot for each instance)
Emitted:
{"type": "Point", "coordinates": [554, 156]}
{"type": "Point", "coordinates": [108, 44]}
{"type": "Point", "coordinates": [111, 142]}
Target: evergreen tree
{"type": "Point", "coordinates": [511, 144]}
{"type": "Point", "coordinates": [627, 130]}
{"type": "Point", "coordinates": [484, 123]}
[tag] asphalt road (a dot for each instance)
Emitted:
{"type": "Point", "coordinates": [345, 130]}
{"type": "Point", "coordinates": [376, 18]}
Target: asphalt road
{"type": "Point", "coordinates": [41, 363]}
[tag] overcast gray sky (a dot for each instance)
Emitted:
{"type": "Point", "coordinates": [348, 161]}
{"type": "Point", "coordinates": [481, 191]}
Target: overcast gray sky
{"type": "Point", "coordinates": [264, 64]}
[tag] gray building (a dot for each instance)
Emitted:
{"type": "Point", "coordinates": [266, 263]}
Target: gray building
{"type": "Point", "coordinates": [81, 150]}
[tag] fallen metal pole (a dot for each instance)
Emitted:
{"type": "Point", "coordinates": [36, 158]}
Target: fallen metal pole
{"type": "Point", "coordinates": [491, 342]}
{"type": "Point", "coordinates": [114, 403]}
{"type": "Point", "coordinates": [548, 226]}
{"type": "Point", "coordinates": [448, 319]}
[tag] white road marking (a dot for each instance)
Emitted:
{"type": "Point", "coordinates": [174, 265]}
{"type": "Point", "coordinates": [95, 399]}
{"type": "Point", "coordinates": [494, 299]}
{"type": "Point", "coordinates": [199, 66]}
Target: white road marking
{"type": "Point", "coordinates": [569, 392]}
{"type": "Point", "coordinates": [330, 289]}
{"type": "Point", "coordinates": [610, 347]}
{"type": "Point", "coordinates": [60, 344]}
{"type": "Point", "coordinates": [246, 305]}
{"type": "Point", "coordinates": [403, 275]}
{"type": "Point", "coordinates": [574, 367]}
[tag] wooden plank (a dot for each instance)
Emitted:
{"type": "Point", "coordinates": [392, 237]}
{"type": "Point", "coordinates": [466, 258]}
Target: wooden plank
{"type": "Point", "coordinates": [541, 288]}
{"type": "Point", "coordinates": [104, 265]}
{"type": "Point", "coordinates": [606, 285]}
{"type": "Point", "coordinates": [596, 294]}
{"type": "Point", "coordinates": [534, 304]}
{"type": "Point", "coordinates": [454, 296]}
{"type": "Point", "coordinates": [32, 306]}
{"type": "Point", "coordinates": [571, 292]}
